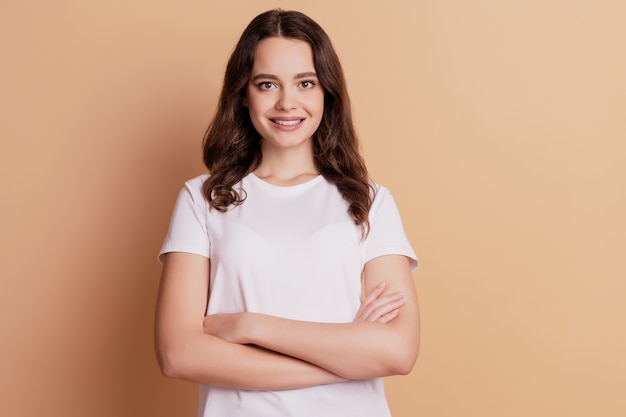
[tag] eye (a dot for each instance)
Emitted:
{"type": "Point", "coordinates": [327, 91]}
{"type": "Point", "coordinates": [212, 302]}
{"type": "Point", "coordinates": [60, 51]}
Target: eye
{"type": "Point", "coordinates": [307, 84]}
{"type": "Point", "coordinates": [266, 85]}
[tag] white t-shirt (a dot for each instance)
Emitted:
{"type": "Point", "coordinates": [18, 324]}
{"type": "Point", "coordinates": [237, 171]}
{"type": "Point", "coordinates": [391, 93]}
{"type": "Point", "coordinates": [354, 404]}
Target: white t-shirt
{"type": "Point", "coordinates": [291, 252]}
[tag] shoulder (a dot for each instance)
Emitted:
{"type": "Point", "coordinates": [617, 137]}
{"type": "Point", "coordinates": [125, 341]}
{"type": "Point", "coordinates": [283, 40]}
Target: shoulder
{"type": "Point", "coordinates": [194, 185]}
{"type": "Point", "coordinates": [384, 205]}
{"type": "Point", "coordinates": [196, 182]}
{"type": "Point", "coordinates": [378, 188]}
{"type": "Point", "coordinates": [192, 191]}
{"type": "Point", "coordinates": [380, 194]}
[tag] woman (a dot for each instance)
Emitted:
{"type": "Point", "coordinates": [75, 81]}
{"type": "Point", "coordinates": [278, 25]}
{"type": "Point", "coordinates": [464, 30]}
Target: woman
{"type": "Point", "coordinates": [266, 258]}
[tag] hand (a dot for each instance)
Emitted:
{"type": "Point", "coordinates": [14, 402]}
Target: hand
{"type": "Point", "coordinates": [226, 326]}
{"type": "Point", "coordinates": [380, 308]}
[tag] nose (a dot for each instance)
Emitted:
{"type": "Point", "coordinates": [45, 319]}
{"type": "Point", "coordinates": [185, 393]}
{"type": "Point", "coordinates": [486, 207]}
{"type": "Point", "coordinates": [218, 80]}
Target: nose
{"type": "Point", "coordinates": [287, 100]}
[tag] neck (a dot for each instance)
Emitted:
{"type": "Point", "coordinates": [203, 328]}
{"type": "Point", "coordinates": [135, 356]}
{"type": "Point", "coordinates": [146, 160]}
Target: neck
{"type": "Point", "coordinates": [286, 166]}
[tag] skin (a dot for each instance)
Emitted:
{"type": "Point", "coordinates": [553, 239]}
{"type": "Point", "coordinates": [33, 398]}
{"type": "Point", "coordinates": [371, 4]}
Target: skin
{"type": "Point", "coordinates": [239, 350]}
{"type": "Point", "coordinates": [286, 104]}
{"type": "Point", "coordinates": [184, 351]}
{"type": "Point", "coordinates": [385, 346]}
{"type": "Point", "coordinates": [284, 97]}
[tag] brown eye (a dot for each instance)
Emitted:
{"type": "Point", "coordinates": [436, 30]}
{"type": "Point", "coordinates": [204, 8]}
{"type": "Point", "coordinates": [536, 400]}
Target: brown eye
{"type": "Point", "coordinates": [266, 85]}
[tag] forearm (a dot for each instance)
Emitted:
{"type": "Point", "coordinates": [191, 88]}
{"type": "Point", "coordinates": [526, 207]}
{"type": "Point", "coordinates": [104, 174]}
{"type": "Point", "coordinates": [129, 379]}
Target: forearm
{"type": "Point", "coordinates": [209, 360]}
{"type": "Point", "coordinates": [352, 350]}
{"type": "Point", "coordinates": [185, 351]}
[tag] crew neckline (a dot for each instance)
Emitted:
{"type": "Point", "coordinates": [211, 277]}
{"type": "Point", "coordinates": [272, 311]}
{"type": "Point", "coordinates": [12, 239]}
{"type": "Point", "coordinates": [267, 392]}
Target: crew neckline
{"type": "Point", "coordinates": [301, 185]}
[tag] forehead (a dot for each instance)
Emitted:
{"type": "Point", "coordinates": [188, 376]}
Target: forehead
{"type": "Point", "coordinates": [282, 56]}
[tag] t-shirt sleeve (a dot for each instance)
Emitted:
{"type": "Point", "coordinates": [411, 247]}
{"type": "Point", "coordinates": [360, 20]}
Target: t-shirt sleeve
{"type": "Point", "coordinates": [188, 225]}
{"type": "Point", "coordinates": [387, 235]}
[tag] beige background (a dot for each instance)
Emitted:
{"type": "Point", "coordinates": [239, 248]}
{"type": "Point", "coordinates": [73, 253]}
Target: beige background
{"type": "Point", "coordinates": [498, 125]}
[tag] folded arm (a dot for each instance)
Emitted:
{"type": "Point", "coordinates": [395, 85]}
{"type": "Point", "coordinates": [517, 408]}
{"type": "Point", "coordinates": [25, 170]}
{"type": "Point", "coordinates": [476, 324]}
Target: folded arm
{"type": "Point", "coordinates": [358, 350]}
{"type": "Point", "coordinates": [185, 351]}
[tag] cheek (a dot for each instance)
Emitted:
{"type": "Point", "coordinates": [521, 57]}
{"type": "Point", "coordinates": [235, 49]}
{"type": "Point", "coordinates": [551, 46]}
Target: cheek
{"type": "Point", "coordinates": [260, 103]}
{"type": "Point", "coordinates": [316, 103]}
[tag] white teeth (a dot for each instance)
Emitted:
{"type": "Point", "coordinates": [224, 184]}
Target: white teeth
{"type": "Point", "coordinates": [287, 122]}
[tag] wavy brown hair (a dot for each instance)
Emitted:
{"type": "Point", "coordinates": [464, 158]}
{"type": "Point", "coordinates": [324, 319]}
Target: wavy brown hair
{"type": "Point", "coordinates": [232, 146]}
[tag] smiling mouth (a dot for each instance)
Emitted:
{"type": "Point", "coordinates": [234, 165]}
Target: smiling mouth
{"type": "Point", "coordinates": [287, 122]}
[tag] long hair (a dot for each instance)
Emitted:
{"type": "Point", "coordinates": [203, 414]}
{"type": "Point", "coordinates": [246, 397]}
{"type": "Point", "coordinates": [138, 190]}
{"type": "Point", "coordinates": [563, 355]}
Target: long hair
{"type": "Point", "coordinates": [232, 146]}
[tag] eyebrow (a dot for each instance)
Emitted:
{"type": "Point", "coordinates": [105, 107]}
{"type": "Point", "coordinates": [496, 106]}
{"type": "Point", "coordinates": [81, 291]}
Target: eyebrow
{"type": "Point", "coordinates": [273, 77]}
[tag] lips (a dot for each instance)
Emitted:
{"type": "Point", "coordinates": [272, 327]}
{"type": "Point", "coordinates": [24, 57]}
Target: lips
{"type": "Point", "coordinates": [287, 123]}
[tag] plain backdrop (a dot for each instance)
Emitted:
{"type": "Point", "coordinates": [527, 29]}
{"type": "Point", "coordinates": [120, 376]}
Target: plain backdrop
{"type": "Point", "coordinates": [499, 126]}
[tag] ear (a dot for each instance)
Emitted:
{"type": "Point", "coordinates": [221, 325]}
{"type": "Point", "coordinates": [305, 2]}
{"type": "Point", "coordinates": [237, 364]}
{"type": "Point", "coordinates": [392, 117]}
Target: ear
{"type": "Point", "coordinates": [245, 101]}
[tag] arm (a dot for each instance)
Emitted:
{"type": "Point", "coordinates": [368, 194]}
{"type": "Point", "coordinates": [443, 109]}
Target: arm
{"type": "Point", "coordinates": [185, 351]}
{"type": "Point", "coordinates": [359, 350]}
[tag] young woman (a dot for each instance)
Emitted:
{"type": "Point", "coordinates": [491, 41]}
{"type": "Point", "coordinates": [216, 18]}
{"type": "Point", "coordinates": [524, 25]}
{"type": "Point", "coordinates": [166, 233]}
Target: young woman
{"type": "Point", "coordinates": [267, 257]}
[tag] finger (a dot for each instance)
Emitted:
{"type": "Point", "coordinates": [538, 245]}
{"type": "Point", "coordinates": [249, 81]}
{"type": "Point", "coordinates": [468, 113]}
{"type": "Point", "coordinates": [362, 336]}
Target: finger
{"type": "Point", "coordinates": [384, 306]}
{"type": "Point", "coordinates": [389, 316]}
{"type": "Point", "coordinates": [369, 299]}
{"type": "Point", "coordinates": [375, 293]}
{"type": "Point", "coordinates": [371, 308]}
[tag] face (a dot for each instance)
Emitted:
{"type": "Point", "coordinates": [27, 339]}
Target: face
{"type": "Point", "coordinates": [284, 96]}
